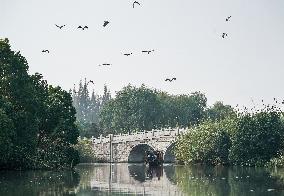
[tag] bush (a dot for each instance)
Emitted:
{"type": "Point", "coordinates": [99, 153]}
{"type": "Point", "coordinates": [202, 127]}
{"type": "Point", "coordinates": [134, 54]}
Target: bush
{"type": "Point", "coordinates": [88, 130]}
{"type": "Point", "coordinates": [55, 154]}
{"type": "Point", "coordinates": [86, 152]}
{"type": "Point", "coordinates": [276, 161]}
{"type": "Point", "coordinates": [207, 143]}
{"type": "Point", "coordinates": [257, 138]}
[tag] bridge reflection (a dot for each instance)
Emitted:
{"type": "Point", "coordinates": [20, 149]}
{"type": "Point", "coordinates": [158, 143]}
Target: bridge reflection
{"type": "Point", "coordinates": [142, 173]}
{"type": "Point", "coordinates": [134, 178]}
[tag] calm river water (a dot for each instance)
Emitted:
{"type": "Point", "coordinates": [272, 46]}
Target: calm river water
{"type": "Point", "coordinates": [137, 179]}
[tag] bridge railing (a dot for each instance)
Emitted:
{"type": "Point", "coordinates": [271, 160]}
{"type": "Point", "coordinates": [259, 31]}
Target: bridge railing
{"type": "Point", "coordinates": [170, 132]}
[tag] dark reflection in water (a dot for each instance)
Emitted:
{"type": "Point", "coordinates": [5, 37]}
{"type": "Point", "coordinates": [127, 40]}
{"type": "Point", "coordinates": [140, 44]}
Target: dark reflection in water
{"type": "Point", "coordinates": [138, 179]}
{"type": "Point", "coordinates": [142, 173]}
{"type": "Point", "coordinates": [34, 183]}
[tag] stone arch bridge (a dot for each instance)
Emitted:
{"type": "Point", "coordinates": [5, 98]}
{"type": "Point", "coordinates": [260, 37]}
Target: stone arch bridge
{"type": "Point", "coordinates": [132, 147]}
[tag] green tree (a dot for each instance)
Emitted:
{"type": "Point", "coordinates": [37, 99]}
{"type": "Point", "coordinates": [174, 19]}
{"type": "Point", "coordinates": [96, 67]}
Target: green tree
{"type": "Point", "coordinates": [33, 115]}
{"type": "Point", "coordinates": [219, 111]}
{"type": "Point", "coordinates": [189, 109]}
{"type": "Point", "coordinates": [59, 132]}
{"type": "Point", "coordinates": [17, 88]}
{"type": "Point", "coordinates": [144, 109]}
{"type": "Point", "coordinates": [169, 113]}
{"type": "Point", "coordinates": [257, 138]}
{"type": "Point", "coordinates": [132, 109]}
{"type": "Point", "coordinates": [95, 106]}
{"type": "Point", "coordinates": [106, 96]}
{"type": "Point", "coordinates": [7, 135]}
{"type": "Point", "coordinates": [84, 102]}
{"type": "Point", "coordinates": [88, 109]}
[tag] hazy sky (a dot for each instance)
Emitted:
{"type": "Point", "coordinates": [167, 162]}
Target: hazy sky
{"type": "Point", "coordinates": [185, 34]}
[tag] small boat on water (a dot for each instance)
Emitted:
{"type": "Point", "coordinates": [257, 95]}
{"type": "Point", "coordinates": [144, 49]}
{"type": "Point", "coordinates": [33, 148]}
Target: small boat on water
{"type": "Point", "coordinates": [154, 158]}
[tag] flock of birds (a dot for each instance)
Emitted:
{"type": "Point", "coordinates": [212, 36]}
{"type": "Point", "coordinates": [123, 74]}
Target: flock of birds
{"type": "Point", "coordinates": [84, 27]}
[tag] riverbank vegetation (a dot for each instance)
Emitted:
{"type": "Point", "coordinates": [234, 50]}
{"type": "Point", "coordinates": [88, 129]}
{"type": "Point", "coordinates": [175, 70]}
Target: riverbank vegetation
{"type": "Point", "coordinates": [248, 139]}
{"type": "Point", "coordinates": [37, 120]}
{"type": "Point", "coordinates": [85, 150]}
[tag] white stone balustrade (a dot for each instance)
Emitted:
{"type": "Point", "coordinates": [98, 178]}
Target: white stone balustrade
{"type": "Point", "coordinates": [116, 148]}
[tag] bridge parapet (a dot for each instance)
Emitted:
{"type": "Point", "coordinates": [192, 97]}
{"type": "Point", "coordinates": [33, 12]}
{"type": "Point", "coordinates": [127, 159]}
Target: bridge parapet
{"type": "Point", "coordinates": [139, 135]}
{"type": "Point", "coordinates": [117, 148]}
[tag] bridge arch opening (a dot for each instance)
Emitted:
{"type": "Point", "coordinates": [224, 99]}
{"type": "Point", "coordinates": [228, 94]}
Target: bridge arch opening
{"type": "Point", "coordinates": [137, 153]}
{"type": "Point", "coordinates": [169, 156]}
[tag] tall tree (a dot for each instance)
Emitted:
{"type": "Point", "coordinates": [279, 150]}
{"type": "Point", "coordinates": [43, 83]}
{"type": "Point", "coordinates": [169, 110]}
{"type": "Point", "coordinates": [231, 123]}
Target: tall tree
{"type": "Point", "coordinates": [106, 96]}
{"type": "Point", "coordinates": [7, 135]}
{"type": "Point", "coordinates": [88, 108]}
{"type": "Point", "coordinates": [219, 111]}
{"type": "Point", "coordinates": [132, 109]}
{"type": "Point", "coordinates": [95, 105]}
{"type": "Point", "coordinates": [16, 87]}
{"type": "Point", "coordinates": [26, 115]}
{"type": "Point", "coordinates": [59, 131]}
{"type": "Point", "coordinates": [189, 109]}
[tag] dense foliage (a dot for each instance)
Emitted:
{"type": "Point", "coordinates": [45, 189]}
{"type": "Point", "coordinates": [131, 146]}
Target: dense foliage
{"type": "Point", "coordinates": [182, 110]}
{"type": "Point", "coordinates": [145, 109]}
{"type": "Point", "coordinates": [86, 152]}
{"type": "Point", "coordinates": [247, 139]}
{"type": "Point", "coordinates": [219, 111]}
{"type": "Point", "coordinates": [132, 109]}
{"type": "Point", "coordinates": [257, 138]}
{"type": "Point", "coordinates": [37, 121]}
{"type": "Point", "coordinates": [207, 143]}
{"type": "Point", "coordinates": [277, 161]}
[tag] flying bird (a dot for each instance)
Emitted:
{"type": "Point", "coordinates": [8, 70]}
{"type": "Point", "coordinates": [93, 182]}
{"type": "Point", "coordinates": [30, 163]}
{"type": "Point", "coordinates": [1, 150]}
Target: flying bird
{"type": "Point", "coordinates": [83, 28]}
{"type": "Point", "coordinates": [45, 51]}
{"type": "Point", "coordinates": [105, 64]}
{"type": "Point", "coordinates": [60, 27]}
{"type": "Point", "coordinates": [224, 35]}
{"type": "Point", "coordinates": [127, 54]}
{"type": "Point", "coordinates": [105, 23]}
{"type": "Point", "coordinates": [170, 80]}
{"type": "Point", "coordinates": [148, 51]}
{"type": "Point", "coordinates": [228, 18]}
{"type": "Point", "coordinates": [136, 3]}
